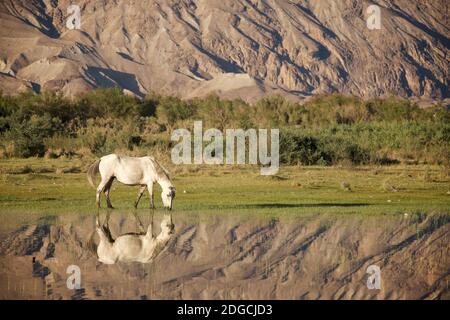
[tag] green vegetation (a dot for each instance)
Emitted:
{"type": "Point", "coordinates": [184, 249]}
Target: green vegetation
{"type": "Point", "coordinates": [326, 130]}
{"type": "Point", "coordinates": [55, 186]}
{"type": "Point", "coordinates": [333, 149]}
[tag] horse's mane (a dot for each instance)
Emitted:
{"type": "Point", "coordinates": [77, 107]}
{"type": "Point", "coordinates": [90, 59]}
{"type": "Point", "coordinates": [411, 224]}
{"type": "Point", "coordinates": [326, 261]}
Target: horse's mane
{"type": "Point", "coordinates": [160, 170]}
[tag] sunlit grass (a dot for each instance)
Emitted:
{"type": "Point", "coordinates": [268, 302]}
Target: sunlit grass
{"type": "Point", "coordinates": [235, 190]}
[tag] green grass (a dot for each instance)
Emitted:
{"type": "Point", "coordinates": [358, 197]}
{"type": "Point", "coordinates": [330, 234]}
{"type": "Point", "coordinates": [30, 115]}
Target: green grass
{"type": "Point", "coordinates": [234, 190]}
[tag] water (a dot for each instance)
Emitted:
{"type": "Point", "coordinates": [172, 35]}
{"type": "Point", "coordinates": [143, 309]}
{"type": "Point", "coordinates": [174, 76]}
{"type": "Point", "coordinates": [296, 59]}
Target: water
{"type": "Point", "coordinates": [229, 256]}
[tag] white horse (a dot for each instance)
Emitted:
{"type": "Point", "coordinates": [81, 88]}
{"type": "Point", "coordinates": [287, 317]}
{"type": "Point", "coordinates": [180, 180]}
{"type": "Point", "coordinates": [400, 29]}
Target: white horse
{"type": "Point", "coordinates": [132, 247]}
{"type": "Point", "coordinates": [143, 171]}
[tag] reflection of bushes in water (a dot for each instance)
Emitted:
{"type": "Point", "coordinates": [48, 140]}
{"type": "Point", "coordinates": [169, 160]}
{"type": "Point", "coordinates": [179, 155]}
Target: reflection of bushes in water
{"type": "Point", "coordinates": [326, 130]}
{"type": "Point", "coordinates": [432, 223]}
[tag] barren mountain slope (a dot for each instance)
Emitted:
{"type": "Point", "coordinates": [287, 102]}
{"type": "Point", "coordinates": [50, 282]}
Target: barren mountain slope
{"type": "Point", "coordinates": [233, 47]}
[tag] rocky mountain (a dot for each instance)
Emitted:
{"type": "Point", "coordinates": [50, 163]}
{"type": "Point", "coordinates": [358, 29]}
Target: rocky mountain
{"type": "Point", "coordinates": [245, 48]}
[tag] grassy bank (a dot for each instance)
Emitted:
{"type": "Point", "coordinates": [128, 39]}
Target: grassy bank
{"type": "Point", "coordinates": [47, 186]}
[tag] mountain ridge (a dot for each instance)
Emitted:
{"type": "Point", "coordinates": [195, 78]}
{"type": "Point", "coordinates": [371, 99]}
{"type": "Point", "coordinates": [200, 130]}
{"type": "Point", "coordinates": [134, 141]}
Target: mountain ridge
{"type": "Point", "coordinates": [245, 48]}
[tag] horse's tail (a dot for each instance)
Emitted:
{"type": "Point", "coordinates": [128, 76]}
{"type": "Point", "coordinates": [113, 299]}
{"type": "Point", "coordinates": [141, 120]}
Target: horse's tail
{"type": "Point", "coordinates": [92, 172]}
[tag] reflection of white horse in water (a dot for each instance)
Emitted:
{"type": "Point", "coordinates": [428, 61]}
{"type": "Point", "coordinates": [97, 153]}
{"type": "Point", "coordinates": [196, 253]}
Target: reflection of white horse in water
{"type": "Point", "coordinates": [144, 171]}
{"type": "Point", "coordinates": [132, 247]}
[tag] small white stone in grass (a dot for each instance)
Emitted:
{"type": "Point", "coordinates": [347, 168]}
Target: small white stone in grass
{"type": "Point", "coordinates": [389, 201]}
{"type": "Point", "coordinates": [184, 191]}
{"type": "Point", "coordinates": [405, 214]}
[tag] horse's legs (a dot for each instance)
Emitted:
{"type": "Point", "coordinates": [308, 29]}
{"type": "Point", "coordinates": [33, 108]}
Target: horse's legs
{"type": "Point", "coordinates": [100, 188]}
{"type": "Point", "coordinates": [105, 228]}
{"type": "Point", "coordinates": [139, 223]}
{"type": "Point", "coordinates": [140, 193]}
{"type": "Point", "coordinates": [150, 192]}
{"type": "Point", "coordinates": [106, 190]}
{"type": "Point", "coordinates": [150, 227]}
{"type": "Point", "coordinates": [97, 220]}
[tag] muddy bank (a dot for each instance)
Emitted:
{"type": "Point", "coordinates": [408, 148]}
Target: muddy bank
{"type": "Point", "coordinates": [227, 257]}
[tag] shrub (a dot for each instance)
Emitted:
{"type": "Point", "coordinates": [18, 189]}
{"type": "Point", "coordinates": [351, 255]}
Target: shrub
{"type": "Point", "coordinates": [28, 136]}
{"type": "Point", "coordinates": [171, 109]}
{"type": "Point", "coordinates": [298, 148]}
{"type": "Point", "coordinates": [325, 130]}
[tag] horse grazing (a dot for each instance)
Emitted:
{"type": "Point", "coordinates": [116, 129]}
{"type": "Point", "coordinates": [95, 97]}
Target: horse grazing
{"type": "Point", "coordinates": [132, 171]}
{"type": "Point", "coordinates": [132, 247]}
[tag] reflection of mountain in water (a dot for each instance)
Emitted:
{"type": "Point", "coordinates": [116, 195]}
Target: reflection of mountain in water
{"type": "Point", "coordinates": [225, 256]}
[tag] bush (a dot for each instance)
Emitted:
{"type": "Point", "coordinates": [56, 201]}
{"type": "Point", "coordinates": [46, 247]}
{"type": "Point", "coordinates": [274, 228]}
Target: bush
{"type": "Point", "coordinates": [170, 110]}
{"type": "Point", "coordinates": [28, 136]}
{"type": "Point", "coordinates": [298, 148]}
{"type": "Point", "coordinates": [326, 130]}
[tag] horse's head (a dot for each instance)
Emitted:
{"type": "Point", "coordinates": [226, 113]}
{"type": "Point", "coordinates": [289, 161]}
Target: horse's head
{"type": "Point", "coordinates": [167, 195]}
